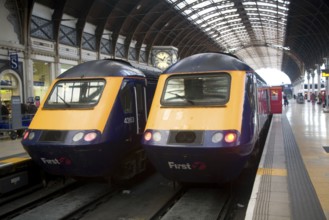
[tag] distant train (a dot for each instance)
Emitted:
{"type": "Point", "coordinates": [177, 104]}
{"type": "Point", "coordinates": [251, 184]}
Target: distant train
{"type": "Point", "coordinates": [207, 113]}
{"type": "Point", "coordinates": [92, 121]}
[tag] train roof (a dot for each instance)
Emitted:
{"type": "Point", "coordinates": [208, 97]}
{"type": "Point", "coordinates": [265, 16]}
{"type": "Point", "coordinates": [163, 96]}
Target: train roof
{"type": "Point", "coordinates": [102, 68]}
{"type": "Point", "coordinates": [208, 62]}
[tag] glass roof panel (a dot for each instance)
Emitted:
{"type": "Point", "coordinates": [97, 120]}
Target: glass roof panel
{"type": "Point", "coordinates": [252, 29]}
{"type": "Point", "coordinates": [206, 11]}
{"type": "Point", "coordinates": [202, 4]}
{"type": "Point", "coordinates": [210, 16]}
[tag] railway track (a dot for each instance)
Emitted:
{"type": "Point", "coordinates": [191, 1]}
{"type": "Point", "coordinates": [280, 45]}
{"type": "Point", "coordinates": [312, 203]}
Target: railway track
{"type": "Point", "coordinates": [149, 197]}
{"type": "Point", "coordinates": [21, 201]}
{"type": "Point", "coordinates": [199, 203]}
{"type": "Point", "coordinates": [154, 198]}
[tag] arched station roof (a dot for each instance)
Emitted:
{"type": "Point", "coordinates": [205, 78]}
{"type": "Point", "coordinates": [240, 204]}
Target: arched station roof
{"type": "Point", "coordinates": [289, 35]}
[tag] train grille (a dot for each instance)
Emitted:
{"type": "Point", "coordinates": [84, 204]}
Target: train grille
{"type": "Point", "coordinates": [53, 136]}
{"type": "Point", "coordinates": [185, 137]}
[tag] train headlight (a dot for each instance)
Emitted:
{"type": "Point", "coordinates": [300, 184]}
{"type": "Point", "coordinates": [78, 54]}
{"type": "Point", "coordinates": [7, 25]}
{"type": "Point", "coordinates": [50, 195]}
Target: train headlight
{"type": "Point", "coordinates": [230, 137]}
{"type": "Point", "coordinates": [78, 136]}
{"type": "Point", "coordinates": [31, 135]}
{"type": "Point", "coordinates": [147, 136]}
{"type": "Point", "coordinates": [152, 136]}
{"type": "Point", "coordinates": [157, 136]}
{"type": "Point", "coordinates": [90, 136]}
{"type": "Point", "coordinates": [217, 137]}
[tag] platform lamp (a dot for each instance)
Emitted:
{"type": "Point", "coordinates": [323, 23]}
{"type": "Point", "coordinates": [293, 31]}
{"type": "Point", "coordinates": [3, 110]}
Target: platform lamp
{"type": "Point", "coordinates": [325, 73]}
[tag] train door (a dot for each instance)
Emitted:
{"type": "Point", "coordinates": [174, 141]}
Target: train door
{"type": "Point", "coordinates": [140, 106]}
{"type": "Point", "coordinates": [133, 101]}
{"type": "Point", "coordinates": [251, 91]}
{"type": "Point", "coordinates": [276, 99]}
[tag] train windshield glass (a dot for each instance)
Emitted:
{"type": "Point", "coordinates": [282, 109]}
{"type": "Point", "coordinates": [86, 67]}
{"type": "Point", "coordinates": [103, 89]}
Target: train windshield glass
{"type": "Point", "coordinates": [75, 93]}
{"type": "Point", "coordinates": [199, 90]}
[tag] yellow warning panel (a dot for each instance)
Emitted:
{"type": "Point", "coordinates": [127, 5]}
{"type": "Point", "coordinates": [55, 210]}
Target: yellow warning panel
{"type": "Point", "coordinates": [272, 172]}
{"type": "Point", "coordinates": [15, 160]}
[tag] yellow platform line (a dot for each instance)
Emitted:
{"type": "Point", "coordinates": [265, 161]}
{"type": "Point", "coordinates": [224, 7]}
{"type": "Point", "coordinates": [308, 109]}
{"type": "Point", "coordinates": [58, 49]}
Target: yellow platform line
{"type": "Point", "coordinates": [14, 160]}
{"type": "Point", "coordinates": [272, 172]}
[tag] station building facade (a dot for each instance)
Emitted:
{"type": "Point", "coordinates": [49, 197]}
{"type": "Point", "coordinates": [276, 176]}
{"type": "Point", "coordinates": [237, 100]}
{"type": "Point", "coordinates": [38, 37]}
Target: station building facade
{"type": "Point", "coordinates": [31, 58]}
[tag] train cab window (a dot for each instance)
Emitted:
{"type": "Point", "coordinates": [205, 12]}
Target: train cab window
{"type": "Point", "coordinates": [197, 90]}
{"type": "Point", "coordinates": [75, 93]}
{"type": "Point", "coordinates": [250, 89]}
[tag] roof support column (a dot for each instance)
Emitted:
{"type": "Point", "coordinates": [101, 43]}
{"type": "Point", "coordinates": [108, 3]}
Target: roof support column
{"type": "Point", "coordinates": [28, 75]}
{"type": "Point", "coordinates": [308, 85]}
{"type": "Point", "coordinates": [313, 96]}
{"type": "Point", "coordinates": [318, 71]}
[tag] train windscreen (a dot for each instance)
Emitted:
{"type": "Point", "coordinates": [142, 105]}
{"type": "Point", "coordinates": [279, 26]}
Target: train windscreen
{"type": "Point", "coordinates": [206, 89]}
{"type": "Point", "coordinates": [82, 93]}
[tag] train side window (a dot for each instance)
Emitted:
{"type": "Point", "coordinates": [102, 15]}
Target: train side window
{"type": "Point", "coordinates": [126, 98]}
{"type": "Point", "coordinates": [140, 99]}
{"type": "Point", "coordinates": [274, 95]}
{"type": "Point", "coordinates": [250, 91]}
{"type": "Point", "coordinates": [140, 107]}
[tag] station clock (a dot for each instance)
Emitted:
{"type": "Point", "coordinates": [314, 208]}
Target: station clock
{"type": "Point", "coordinates": [162, 60]}
{"type": "Point", "coordinates": [164, 56]}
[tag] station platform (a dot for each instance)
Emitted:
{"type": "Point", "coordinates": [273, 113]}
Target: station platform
{"type": "Point", "coordinates": [10, 147]}
{"type": "Point", "coordinates": [12, 156]}
{"type": "Point", "coordinates": [15, 166]}
{"type": "Point", "coordinates": [292, 180]}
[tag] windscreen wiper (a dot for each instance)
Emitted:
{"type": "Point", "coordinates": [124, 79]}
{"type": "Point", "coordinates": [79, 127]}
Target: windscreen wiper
{"type": "Point", "coordinates": [67, 104]}
{"type": "Point", "coordinates": [182, 97]}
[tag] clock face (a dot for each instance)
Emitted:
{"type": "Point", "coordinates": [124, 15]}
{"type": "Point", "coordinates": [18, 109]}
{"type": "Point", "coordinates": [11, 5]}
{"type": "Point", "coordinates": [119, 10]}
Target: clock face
{"type": "Point", "coordinates": [174, 58]}
{"type": "Point", "coordinates": [162, 60]}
